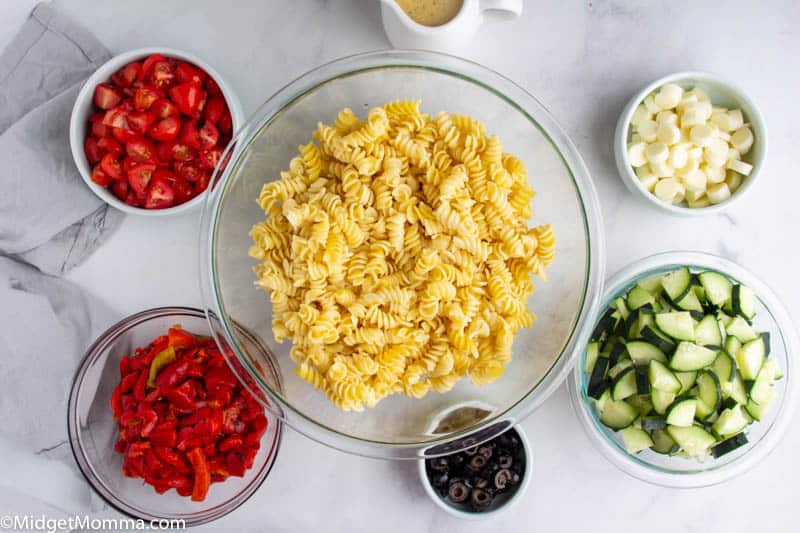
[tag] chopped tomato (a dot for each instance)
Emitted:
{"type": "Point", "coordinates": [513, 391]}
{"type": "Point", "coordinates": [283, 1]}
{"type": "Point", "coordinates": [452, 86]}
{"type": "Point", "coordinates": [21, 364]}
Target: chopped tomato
{"type": "Point", "coordinates": [186, 73]}
{"type": "Point", "coordinates": [98, 128]}
{"type": "Point", "coordinates": [124, 135]}
{"type": "Point", "coordinates": [127, 164]}
{"type": "Point", "coordinates": [164, 151]}
{"type": "Point", "coordinates": [147, 66]}
{"type": "Point", "coordinates": [189, 135]}
{"type": "Point", "coordinates": [212, 87]}
{"type": "Point", "coordinates": [106, 96]}
{"type": "Point", "coordinates": [111, 166]}
{"type": "Point", "coordinates": [125, 76]}
{"type": "Point", "coordinates": [144, 97]}
{"type": "Point", "coordinates": [110, 145]}
{"type": "Point", "coordinates": [163, 108]}
{"type": "Point", "coordinates": [165, 174]}
{"type": "Point", "coordinates": [163, 74]}
{"type": "Point", "coordinates": [203, 181]}
{"type": "Point", "coordinates": [208, 158]}
{"type": "Point", "coordinates": [181, 152]}
{"type": "Point", "coordinates": [120, 188]}
{"type": "Point", "coordinates": [183, 191]}
{"type": "Point", "coordinates": [159, 194]}
{"type": "Point", "coordinates": [225, 122]}
{"type": "Point", "coordinates": [214, 108]}
{"type": "Point", "coordinates": [140, 121]}
{"type": "Point", "coordinates": [187, 171]}
{"type": "Point", "coordinates": [208, 135]}
{"type": "Point", "coordinates": [141, 150]}
{"type": "Point", "coordinates": [166, 129]}
{"type": "Point", "coordinates": [188, 97]}
{"type": "Point", "coordinates": [93, 152]}
{"type": "Point", "coordinates": [99, 177]}
{"type": "Point", "coordinates": [132, 200]}
{"type": "Point", "coordinates": [116, 117]}
{"type": "Point", "coordinates": [139, 177]}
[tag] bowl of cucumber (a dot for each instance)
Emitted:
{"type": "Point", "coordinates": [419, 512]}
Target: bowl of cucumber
{"type": "Point", "coordinates": [688, 379]}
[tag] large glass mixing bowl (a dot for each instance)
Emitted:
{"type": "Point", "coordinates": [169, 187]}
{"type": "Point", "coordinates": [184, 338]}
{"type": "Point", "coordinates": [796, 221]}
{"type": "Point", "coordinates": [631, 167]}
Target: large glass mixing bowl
{"type": "Point", "coordinates": [401, 427]}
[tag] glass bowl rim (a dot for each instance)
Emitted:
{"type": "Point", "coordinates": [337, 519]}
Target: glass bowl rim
{"type": "Point", "coordinates": [502, 87]}
{"type": "Point", "coordinates": [759, 450]}
{"type": "Point", "coordinates": [87, 468]}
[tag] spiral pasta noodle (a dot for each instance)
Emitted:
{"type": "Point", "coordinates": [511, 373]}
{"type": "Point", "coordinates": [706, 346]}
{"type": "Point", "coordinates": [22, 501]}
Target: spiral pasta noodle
{"type": "Point", "coordinates": [398, 255]}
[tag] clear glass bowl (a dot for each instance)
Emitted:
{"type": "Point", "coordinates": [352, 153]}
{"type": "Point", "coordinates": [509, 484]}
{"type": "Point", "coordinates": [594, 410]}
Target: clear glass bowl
{"type": "Point", "coordinates": [680, 472]}
{"type": "Point", "coordinates": [400, 427]}
{"type": "Point", "coordinates": [93, 431]}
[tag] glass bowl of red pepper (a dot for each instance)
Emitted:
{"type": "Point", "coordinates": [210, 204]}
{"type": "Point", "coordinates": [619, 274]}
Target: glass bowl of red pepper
{"type": "Point", "coordinates": [161, 427]}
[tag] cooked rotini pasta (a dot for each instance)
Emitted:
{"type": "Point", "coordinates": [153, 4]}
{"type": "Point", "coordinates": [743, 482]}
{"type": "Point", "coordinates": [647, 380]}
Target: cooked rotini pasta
{"type": "Point", "coordinates": [398, 254]}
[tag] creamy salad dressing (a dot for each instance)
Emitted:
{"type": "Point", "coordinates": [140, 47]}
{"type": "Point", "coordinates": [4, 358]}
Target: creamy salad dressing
{"type": "Point", "coordinates": [431, 12]}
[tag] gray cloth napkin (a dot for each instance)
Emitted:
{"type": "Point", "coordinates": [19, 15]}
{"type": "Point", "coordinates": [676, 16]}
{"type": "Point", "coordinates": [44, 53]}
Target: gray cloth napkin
{"type": "Point", "coordinates": [49, 222]}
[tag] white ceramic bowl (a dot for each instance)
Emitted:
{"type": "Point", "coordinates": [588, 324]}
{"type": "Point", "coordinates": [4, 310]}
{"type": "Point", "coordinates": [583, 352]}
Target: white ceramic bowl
{"type": "Point", "coordinates": [722, 93]}
{"type": "Point", "coordinates": [84, 107]}
{"type": "Point", "coordinates": [500, 504]}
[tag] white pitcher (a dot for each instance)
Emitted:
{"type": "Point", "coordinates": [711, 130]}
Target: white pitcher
{"type": "Point", "coordinates": [452, 36]}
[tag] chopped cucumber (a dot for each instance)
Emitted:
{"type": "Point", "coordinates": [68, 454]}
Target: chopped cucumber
{"type": "Point", "coordinates": [617, 369]}
{"type": "Point", "coordinates": [772, 367]}
{"type": "Point", "coordinates": [681, 412]}
{"type": "Point", "coordinates": [605, 324]}
{"type": "Point", "coordinates": [642, 352]}
{"type": "Point", "coordinates": [663, 443]}
{"type": "Point", "coordinates": [653, 422]}
{"type": "Point", "coordinates": [676, 284]}
{"type": "Point", "coordinates": [687, 380]}
{"type": "Point", "coordinates": [624, 384]}
{"type": "Point", "coordinates": [651, 284]}
{"type": "Point", "coordinates": [750, 357]}
{"type": "Point", "coordinates": [761, 391]}
{"type": "Point", "coordinates": [728, 445]}
{"type": "Point", "coordinates": [637, 297]}
{"type": "Point", "coordinates": [661, 341]}
{"type": "Point", "coordinates": [735, 390]}
{"type": "Point", "coordinates": [740, 329]}
{"type": "Point", "coordinates": [730, 422]}
{"type": "Point", "coordinates": [641, 403]}
{"type": "Point", "coordinates": [689, 356]}
{"type": "Point", "coordinates": [743, 301]}
{"type": "Point", "coordinates": [642, 380]}
{"type": "Point", "coordinates": [717, 287]}
{"type": "Point", "coordinates": [622, 307]}
{"type": "Point", "coordinates": [661, 400]}
{"type": "Point", "coordinates": [732, 345]}
{"type": "Point", "coordinates": [617, 415]}
{"type": "Point", "coordinates": [677, 324]}
{"type": "Point", "coordinates": [709, 392]}
{"type": "Point", "coordinates": [707, 332]}
{"type": "Point", "coordinates": [635, 439]}
{"type": "Point", "coordinates": [693, 440]}
{"type": "Point", "coordinates": [757, 410]}
{"type": "Point", "coordinates": [662, 378]}
{"type": "Point", "coordinates": [598, 377]}
{"type": "Point", "coordinates": [690, 302]}
{"type": "Point", "coordinates": [592, 351]}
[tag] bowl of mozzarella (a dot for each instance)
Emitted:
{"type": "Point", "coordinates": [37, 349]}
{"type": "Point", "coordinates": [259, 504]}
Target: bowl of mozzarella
{"type": "Point", "coordinates": [690, 143]}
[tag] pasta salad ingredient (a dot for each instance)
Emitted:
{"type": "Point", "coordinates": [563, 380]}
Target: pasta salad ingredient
{"type": "Point", "coordinates": [397, 254]}
{"type": "Point", "coordinates": [184, 420]}
{"type": "Point", "coordinates": [157, 133]}
{"type": "Point", "coordinates": [474, 478]}
{"type": "Point", "coordinates": [676, 366]}
{"type": "Point", "coordinates": [685, 149]}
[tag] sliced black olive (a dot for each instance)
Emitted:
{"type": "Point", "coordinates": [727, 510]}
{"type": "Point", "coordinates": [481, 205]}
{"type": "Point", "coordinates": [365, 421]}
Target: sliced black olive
{"type": "Point", "coordinates": [504, 441]}
{"type": "Point", "coordinates": [478, 482]}
{"type": "Point", "coordinates": [438, 464]}
{"type": "Point", "coordinates": [502, 478]}
{"type": "Point", "coordinates": [515, 478]}
{"type": "Point", "coordinates": [458, 491]}
{"type": "Point", "coordinates": [476, 462]}
{"type": "Point", "coordinates": [455, 460]}
{"type": "Point", "coordinates": [481, 499]}
{"type": "Point", "coordinates": [486, 451]}
{"type": "Point", "coordinates": [440, 479]}
{"type": "Point", "coordinates": [471, 451]}
{"type": "Point", "coordinates": [505, 461]}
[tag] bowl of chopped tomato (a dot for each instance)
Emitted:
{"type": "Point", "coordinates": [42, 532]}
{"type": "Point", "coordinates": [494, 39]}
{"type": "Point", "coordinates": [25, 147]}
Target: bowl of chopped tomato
{"type": "Point", "coordinates": [160, 425]}
{"type": "Point", "coordinates": [149, 127]}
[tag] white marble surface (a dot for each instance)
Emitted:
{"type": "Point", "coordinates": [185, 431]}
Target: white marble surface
{"type": "Point", "coordinates": [582, 60]}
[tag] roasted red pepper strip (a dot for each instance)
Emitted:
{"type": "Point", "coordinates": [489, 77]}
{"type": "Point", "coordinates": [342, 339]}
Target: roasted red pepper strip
{"type": "Point", "coordinates": [202, 476]}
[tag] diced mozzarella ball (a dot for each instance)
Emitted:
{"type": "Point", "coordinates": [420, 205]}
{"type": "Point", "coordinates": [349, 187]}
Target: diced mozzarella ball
{"type": "Point", "coordinates": [650, 104]}
{"type": "Point", "coordinates": [742, 139]}
{"type": "Point", "coordinates": [656, 152]}
{"type": "Point", "coordinates": [699, 93]}
{"type": "Point", "coordinates": [696, 153]}
{"type": "Point", "coordinates": [636, 154]}
{"type": "Point", "coordinates": [704, 107]}
{"type": "Point", "coordinates": [640, 113]}
{"type": "Point", "coordinates": [686, 101]}
{"type": "Point", "coordinates": [734, 181]}
{"type": "Point", "coordinates": [737, 165]}
{"type": "Point", "coordinates": [737, 119]}
{"type": "Point", "coordinates": [714, 174]}
{"type": "Point", "coordinates": [733, 154]}
{"type": "Point", "coordinates": [692, 116]}
{"type": "Point", "coordinates": [678, 156]}
{"type": "Point", "coordinates": [719, 134]}
{"type": "Point", "coordinates": [668, 96]}
{"type": "Point", "coordinates": [701, 134]}
{"type": "Point", "coordinates": [716, 153]}
{"type": "Point", "coordinates": [668, 134]}
{"type": "Point", "coordinates": [693, 196]}
{"type": "Point", "coordinates": [718, 193]}
{"type": "Point", "coordinates": [662, 170]}
{"type": "Point", "coordinates": [703, 201]}
{"type": "Point", "coordinates": [667, 117]}
{"type": "Point", "coordinates": [695, 181]}
{"type": "Point", "coordinates": [648, 130]}
{"type": "Point", "coordinates": [690, 166]}
{"type": "Point", "coordinates": [722, 120]}
{"type": "Point", "coordinates": [668, 189]}
{"type": "Point", "coordinates": [648, 179]}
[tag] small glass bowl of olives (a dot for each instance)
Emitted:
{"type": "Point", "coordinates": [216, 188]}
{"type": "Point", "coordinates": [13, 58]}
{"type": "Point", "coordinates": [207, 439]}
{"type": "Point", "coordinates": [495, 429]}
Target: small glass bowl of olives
{"type": "Point", "coordinates": [480, 481]}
